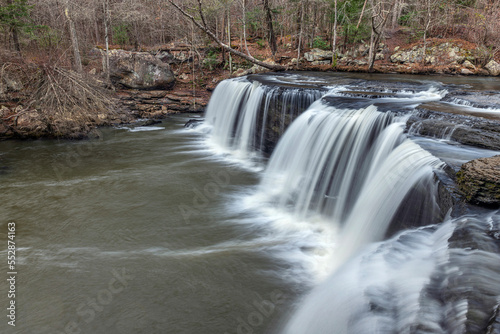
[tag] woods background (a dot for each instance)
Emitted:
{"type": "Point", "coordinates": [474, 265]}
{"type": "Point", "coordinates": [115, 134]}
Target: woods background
{"type": "Point", "coordinates": [47, 30]}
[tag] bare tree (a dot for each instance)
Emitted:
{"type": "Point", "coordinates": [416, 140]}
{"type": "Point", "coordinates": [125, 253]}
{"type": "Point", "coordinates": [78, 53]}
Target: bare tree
{"type": "Point", "coordinates": [105, 5]}
{"type": "Point", "coordinates": [426, 28]}
{"type": "Point", "coordinates": [74, 40]}
{"type": "Point", "coordinates": [378, 19]}
{"type": "Point", "coordinates": [334, 40]}
{"type": "Point", "coordinates": [203, 26]}
{"type": "Point", "coordinates": [270, 29]}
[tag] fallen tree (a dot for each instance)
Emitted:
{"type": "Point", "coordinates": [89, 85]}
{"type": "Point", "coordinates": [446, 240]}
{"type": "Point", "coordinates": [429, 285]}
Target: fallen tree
{"type": "Point", "coordinates": [203, 26]}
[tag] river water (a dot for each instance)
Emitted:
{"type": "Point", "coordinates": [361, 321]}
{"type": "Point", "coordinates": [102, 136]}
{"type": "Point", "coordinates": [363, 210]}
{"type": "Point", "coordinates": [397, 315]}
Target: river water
{"type": "Point", "coordinates": [156, 230]}
{"type": "Point", "coordinates": [131, 233]}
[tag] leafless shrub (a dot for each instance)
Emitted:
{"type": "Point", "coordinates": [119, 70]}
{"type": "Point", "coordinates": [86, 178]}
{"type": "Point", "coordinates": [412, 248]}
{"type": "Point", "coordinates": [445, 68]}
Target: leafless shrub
{"type": "Point", "coordinates": [71, 104]}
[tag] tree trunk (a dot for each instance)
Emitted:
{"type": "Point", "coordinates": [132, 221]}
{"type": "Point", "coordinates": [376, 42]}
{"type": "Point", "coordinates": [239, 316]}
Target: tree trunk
{"type": "Point", "coordinates": [244, 5]}
{"type": "Point", "coordinates": [427, 25]}
{"type": "Point", "coordinates": [270, 29]}
{"type": "Point", "coordinates": [334, 41]}
{"type": "Point", "coordinates": [222, 44]}
{"type": "Point", "coordinates": [377, 30]}
{"type": "Point", "coordinates": [74, 39]}
{"type": "Point", "coordinates": [229, 40]}
{"type": "Point", "coordinates": [106, 38]}
{"type": "Point", "coordinates": [300, 33]}
{"type": "Point", "coordinates": [15, 34]}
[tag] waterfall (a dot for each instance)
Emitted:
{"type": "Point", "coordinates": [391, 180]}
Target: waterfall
{"type": "Point", "coordinates": [421, 281]}
{"type": "Point", "coordinates": [345, 162]}
{"type": "Point", "coordinates": [247, 118]}
{"type": "Point", "coordinates": [354, 167]}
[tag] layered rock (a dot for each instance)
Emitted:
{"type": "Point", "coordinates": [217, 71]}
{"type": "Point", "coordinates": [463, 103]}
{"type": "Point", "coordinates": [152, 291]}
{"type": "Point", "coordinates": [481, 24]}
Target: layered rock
{"type": "Point", "coordinates": [479, 180]}
{"type": "Point", "coordinates": [159, 103]}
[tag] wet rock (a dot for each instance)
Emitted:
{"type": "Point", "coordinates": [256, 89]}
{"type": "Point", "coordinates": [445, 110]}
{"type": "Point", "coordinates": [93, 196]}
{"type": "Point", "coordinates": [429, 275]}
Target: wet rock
{"type": "Point", "coordinates": [193, 123]}
{"type": "Point", "coordinates": [139, 70]}
{"type": "Point", "coordinates": [493, 68]}
{"type": "Point", "coordinates": [479, 180]}
{"type": "Point", "coordinates": [150, 122]}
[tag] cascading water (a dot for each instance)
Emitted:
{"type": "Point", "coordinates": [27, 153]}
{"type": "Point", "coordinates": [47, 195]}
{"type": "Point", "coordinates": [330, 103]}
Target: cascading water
{"type": "Point", "coordinates": [352, 167]}
{"type": "Point", "coordinates": [420, 281]}
{"type": "Point", "coordinates": [345, 162]}
{"type": "Point", "coordinates": [239, 115]}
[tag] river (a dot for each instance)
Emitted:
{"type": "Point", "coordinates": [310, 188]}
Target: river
{"type": "Point", "coordinates": [157, 230]}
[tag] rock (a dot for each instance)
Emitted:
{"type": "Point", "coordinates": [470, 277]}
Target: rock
{"type": "Point", "coordinates": [465, 71]}
{"type": "Point", "coordinates": [240, 72]}
{"type": "Point", "coordinates": [467, 64]}
{"type": "Point", "coordinates": [479, 180]}
{"type": "Point", "coordinates": [183, 77]}
{"type": "Point", "coordinates": [482, 71]}
{"type": "Point", "coordinates": [396, 49]}
{"type": "Point", "coordinates": [167, 57]}
{"type": "Point", "coordinates": [379, 56]}
{"type": "Point", "coordinates": [430, 60]}
{"type": "Point", "coordinates": [318, 54]}
{"type": "Point", "coordinates": [139, 70]}
{"type": "Point", "coordinates": [321, 62]}
{"type": "Point", "coordinates": [150, 122]}
{"type": "Point", "coordinates": [493, 68]}
{"type": "Point", "coordinates": [193, 123]}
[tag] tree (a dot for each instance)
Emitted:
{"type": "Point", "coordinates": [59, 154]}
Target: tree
{"type": "Point", "coordinates": [378, 19]}
{"type": "Point", "coordinates": [74, 40]}
{"type": "Point", "coordinates": [203, 26]}
{"type": "Point", "coordinates": [270, 29]}
{"type": "Point", "coordinates": [15, 16]}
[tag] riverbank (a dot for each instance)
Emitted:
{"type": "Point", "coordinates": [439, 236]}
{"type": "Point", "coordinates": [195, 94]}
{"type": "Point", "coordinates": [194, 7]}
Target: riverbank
{"type": "Point", "coordinates": [175, 78]}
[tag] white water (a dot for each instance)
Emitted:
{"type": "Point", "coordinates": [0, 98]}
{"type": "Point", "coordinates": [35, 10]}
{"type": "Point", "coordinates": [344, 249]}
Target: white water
{"type": "Point", "coordinates": [239, 108]}
{"type": "Point", "coordinates": [417, 282]}
{"type": "Point", "coordinates": [352, 167]}
{"type": "Point", "coordinates": [332, 187]}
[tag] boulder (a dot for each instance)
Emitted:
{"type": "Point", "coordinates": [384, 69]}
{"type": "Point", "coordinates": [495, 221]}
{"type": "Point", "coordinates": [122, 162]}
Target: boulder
{"type": "Point", "coordinates": [468, 65]}
{"type": "Point", "coordinates": [493, 68]}
{"type": "Point", "coordinates": [318, 55]}
{"type": "Point", "coordinates": [139, 70]}
{"type": "Point", "coordinates": [465, 71]}
{"type": "Point", "coordinates": [479, 180]}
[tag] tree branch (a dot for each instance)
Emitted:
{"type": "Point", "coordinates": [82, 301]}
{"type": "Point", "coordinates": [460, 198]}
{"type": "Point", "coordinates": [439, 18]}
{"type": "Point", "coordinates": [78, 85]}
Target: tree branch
{"type": "Point", "coordinates": [225, 46]}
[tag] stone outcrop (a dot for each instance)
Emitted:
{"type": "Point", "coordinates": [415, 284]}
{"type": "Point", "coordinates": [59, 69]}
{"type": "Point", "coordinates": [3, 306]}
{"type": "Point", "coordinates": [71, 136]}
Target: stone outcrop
{"type": "Point", "coordinates": [479, 180]}
{"type": "Point", "coordinates": [159, 103]}
{"type": "Point", "coordinates": [493, 68]}
{"type": "Point", "coordinates": [463, 129]}
{"type": "Point", "coordinates": [444, 53]}
{"type": "Point", "coordinates": [316, 55]}
{"type": "Point", "coordinates": [139, 70]}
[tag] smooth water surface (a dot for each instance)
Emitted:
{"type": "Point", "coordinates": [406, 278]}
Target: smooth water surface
{"type": "Point", "coordinates": [132, 233]}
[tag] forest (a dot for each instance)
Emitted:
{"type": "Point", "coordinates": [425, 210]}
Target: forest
{"type": "Point", "coordinates": [47, 30]}
{"type": "Point", "coordinates": [48, 44]}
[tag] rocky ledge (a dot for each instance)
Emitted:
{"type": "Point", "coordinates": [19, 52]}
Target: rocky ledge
{"type": "Point", "coordinates": [479, 180]}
